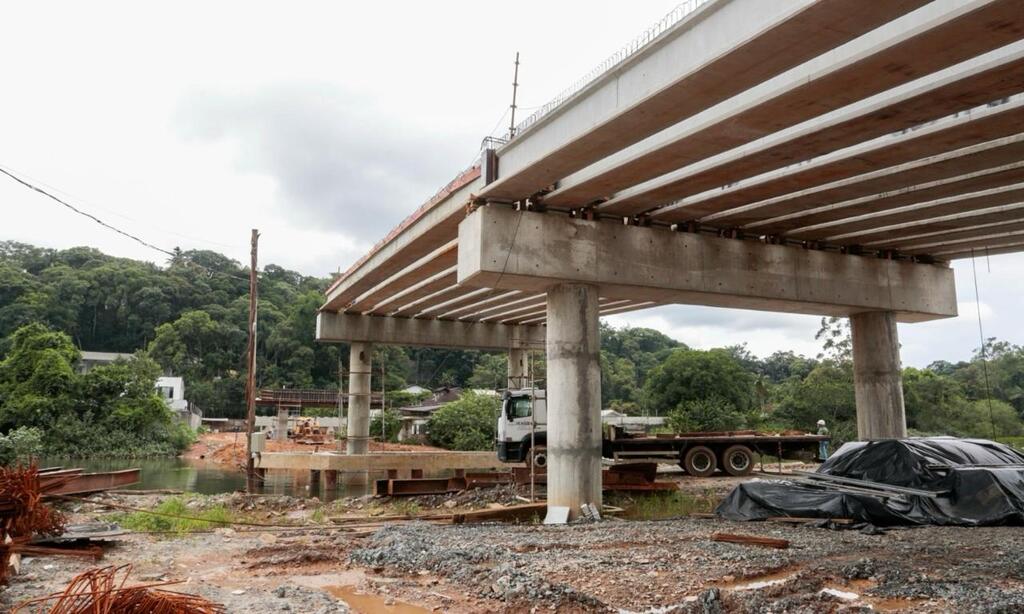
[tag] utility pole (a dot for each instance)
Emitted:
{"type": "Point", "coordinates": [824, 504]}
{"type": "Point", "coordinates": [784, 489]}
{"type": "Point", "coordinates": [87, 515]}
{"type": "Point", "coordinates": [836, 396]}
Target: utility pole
{"type": "Point", "coordinates": [515, 88]}
{"type": "Point", "coordinates": [250, 381]}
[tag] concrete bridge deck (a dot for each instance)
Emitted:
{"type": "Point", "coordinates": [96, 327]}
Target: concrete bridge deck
{"type": "Point", "coordinates": [812, 156]}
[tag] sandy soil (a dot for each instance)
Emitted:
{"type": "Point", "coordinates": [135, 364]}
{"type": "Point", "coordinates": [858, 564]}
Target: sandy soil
{"type": "Point", "coordinates": [229, 448]}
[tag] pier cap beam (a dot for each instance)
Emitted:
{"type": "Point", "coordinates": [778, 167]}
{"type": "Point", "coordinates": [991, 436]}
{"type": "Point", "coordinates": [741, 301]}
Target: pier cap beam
{"type": "Point", "coordinates": [347, 328]}
{"type": "Point", "coordinates": [497, 249]}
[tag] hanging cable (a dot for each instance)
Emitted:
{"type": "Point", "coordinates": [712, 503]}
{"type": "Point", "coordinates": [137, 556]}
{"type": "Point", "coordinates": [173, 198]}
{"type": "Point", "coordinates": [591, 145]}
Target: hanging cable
{"type": "Point", "coordinates": [984, 355]}
{"type": "Point", "coordinates": [123, 233]}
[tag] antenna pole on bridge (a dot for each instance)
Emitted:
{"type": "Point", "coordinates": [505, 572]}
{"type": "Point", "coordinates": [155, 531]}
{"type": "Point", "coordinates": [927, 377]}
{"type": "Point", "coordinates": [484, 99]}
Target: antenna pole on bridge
{"type": "Point", "coordinates": [515, 87]}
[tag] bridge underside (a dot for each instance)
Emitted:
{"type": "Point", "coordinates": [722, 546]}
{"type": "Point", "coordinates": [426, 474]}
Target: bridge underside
{"type": "Point", "coordinates": [806, 156]}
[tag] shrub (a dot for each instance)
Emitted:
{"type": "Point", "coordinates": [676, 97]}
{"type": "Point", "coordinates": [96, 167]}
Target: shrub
{"type": "Point", "coordinates": [466, 424]}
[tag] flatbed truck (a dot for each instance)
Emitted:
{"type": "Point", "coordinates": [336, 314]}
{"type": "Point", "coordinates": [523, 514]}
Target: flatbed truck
{"type": "Point", "coordinates": [522, 437]}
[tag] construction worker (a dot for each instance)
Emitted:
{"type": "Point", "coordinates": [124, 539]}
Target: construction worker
{"type": "Point", "coordinates": [822, 445]}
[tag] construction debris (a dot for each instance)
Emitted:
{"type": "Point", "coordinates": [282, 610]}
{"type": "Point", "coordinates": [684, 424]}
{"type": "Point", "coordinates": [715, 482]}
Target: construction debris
{"type": "Point", "coordinates": [620, 477]}
{"type": "Point", "coordinates": [751, 540]}
{"type": "Point", "coordinates": [103, 591]}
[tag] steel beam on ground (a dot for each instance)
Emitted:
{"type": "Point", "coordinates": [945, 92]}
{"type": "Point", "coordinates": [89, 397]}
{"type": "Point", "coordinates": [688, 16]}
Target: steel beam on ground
{"type": "Point", "coordinates": [654, 264]}
{"type": "Point", "coordinates": [721, 50]}
{"type": "Point", "coordinates": [345, 327]}
{"type": "Point", "coordinates": [952, 146]}
{"type": "Point", "coordinates": [942, 36]}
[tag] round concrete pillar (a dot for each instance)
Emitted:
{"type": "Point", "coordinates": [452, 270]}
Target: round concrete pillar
{"type": "Point", "coordinates": [518, 369]}
{"type": "Point", "coordinates": [573, 397]}
{"type": "Point", "coordinates": [877, 376]}
{"type": "Point", "coordinates": [358, 427]}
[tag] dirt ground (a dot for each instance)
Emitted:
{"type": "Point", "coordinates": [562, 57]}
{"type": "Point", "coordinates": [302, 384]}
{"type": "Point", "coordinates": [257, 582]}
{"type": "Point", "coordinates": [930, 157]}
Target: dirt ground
{"type": "Point", "coordinates": [624, 566]}
{"type": "Point", "coordinates": [229, 448]}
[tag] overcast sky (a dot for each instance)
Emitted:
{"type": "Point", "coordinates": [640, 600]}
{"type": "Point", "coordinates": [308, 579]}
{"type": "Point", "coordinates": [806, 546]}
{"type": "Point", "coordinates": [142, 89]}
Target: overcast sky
{"type": "Point", "coordinates": [323, 125]}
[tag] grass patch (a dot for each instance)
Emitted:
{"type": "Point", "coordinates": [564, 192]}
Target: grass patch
{"type": "Point", "coordinates": [318, 516]}
{"type": "Point", "coordinates": [176, 508]}
{"type": "Point", "coordinates": [661, 505]}
{"type": "Point", "coordinates": [405, 507]}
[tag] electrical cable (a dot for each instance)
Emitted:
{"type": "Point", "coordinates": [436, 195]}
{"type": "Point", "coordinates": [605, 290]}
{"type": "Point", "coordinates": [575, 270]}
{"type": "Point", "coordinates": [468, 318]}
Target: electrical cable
{"type": "Point", "coordinates": [129, 235]}
{"type": "Point", "coordinates": [984, 356]}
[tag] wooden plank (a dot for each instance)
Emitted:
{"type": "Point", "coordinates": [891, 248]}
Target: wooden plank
{"type": "Point", "coordinates": [751, 540]}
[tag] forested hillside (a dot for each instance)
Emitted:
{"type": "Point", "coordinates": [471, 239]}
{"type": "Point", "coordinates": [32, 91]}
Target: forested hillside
{"type": "Point", "coordinates": [189, 316]}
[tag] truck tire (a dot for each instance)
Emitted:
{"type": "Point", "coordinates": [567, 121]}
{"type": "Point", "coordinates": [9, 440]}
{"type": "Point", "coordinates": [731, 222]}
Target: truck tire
{"type": "Point", "coordinates": [738, 460]}
{"type": "Point", "coordinates": [538, 457]}
{"type": "Point", "coordinates": [700, 461]}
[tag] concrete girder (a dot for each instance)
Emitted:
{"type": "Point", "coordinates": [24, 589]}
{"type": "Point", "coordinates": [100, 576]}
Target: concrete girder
{"type": "Point", "coordinates": [434, 263]}
{"type": "Point", "coordinates": [951, 146]}
{"type": "Point", "coordinates": [433, 225]}
{"type": "Point", "coordinates": [348, 328]}
{"type": "Point", "coordinates": [722, 49]}
{"type": "Point", "coordinates": [417, 290]}
{"type": "Point", "coordinates": [462, 295]}
{"type": "Point", "coordinates": [903, 206]}
{"type": "Point", "coordinates": [499, 310]}
{"type": "Point", "coordinates": [923, 47]}
{"type": "Point", "coordinates": [907, 234]}
{"type": "Point", "coordinates": [654, 264]}
{"type": "Point", "coordinates": [471, 306]}
{"type": "Point", "coordinates": [994, 239]}
{"type": "Point", "coordinates": [449, 294]}
{"type": "Point", "coordinates": [978, 168]}
{"type": "Point", "coordinates": [1006, 248]}
{"type": "Point", "coordinates": [514, 313]}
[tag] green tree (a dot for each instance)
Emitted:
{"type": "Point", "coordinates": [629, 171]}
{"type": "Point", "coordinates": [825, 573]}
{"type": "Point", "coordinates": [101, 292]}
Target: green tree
{"type": "Point", "coordinates": [466, 424]}
{"type": "Point", "coordinates": [710, 414]}
{"type": "Point", "coordinates": [387, 425]}
{"type": "Point", "coordinates": [692, 375]}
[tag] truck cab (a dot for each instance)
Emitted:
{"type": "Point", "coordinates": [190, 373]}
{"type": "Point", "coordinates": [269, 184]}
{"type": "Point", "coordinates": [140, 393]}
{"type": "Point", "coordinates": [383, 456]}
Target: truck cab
{"type": "Point", "coordinates": [523, 421]}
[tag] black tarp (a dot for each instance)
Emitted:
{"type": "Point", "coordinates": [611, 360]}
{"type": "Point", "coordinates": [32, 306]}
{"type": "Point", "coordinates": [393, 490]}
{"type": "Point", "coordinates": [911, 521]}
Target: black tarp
{"type": "Point", "coordinates": [983, 482]}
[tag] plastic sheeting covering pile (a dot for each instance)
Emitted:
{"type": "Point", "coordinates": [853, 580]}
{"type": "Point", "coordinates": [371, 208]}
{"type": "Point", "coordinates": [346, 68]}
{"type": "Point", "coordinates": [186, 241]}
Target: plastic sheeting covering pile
{"type": "Point", "coordinates": [974, 482]}
{"type": "Point", "coordinates": [103, 591]}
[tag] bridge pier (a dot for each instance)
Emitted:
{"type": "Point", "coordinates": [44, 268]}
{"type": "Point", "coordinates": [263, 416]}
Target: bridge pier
{"type": "Point", "coordinates": [360, 364]}
{"type": "Point", "coordinates": [877, 376]}
{"type": "Point", "coordinates": [518, 368]}
{"type": "Point", "coordinates": [573, 397]}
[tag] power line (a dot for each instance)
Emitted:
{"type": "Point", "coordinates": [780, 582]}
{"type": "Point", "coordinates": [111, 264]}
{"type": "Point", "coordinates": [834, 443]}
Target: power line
{"type": "Point", "coordinates": [144, 243]}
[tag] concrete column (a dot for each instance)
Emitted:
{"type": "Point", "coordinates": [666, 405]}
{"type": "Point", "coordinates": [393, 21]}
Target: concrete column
{"type": "Point", "coordinates": [877, 377]}
{"type": "Point", "coordinates": [359, 366]}
{"type": "Point", "coordinates": [518, 369]}
{"type": "Point", "coordinates": [282, 425]}
{"type": "Point", "coordinates": [573, 397]}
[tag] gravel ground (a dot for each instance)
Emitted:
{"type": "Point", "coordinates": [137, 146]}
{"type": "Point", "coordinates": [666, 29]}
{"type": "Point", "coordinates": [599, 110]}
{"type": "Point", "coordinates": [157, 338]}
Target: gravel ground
{"type": "Point", "coordinates": [673, 566]}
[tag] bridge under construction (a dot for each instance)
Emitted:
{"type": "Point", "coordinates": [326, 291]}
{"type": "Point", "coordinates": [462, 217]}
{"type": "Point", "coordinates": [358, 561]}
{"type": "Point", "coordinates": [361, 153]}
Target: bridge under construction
{"type": "Point", "coordinates": [806, 156]}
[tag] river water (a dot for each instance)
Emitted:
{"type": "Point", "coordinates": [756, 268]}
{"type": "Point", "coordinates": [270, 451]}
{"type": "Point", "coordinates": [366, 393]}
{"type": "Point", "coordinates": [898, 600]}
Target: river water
{"type": "Point", "coordinates": [208, 478]}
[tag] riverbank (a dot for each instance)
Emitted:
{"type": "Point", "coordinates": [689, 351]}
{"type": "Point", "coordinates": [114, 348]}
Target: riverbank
{"type": "Point", "coordinates": [616, 565]}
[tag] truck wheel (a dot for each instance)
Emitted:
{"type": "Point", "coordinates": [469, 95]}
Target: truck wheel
{"type": "Point", "coordinates": [738, 461]}
{"type": "Point", "coordinates": [538, 457]}
{"type": "Point", "coordinates": [699, 461]}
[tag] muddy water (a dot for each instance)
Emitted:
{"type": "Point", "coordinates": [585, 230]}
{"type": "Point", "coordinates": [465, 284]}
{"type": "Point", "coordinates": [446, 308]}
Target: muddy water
{"type": "Point", "coordinates": [209, 478]}
{"type": "Point", "coordinates": [372, 604]}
